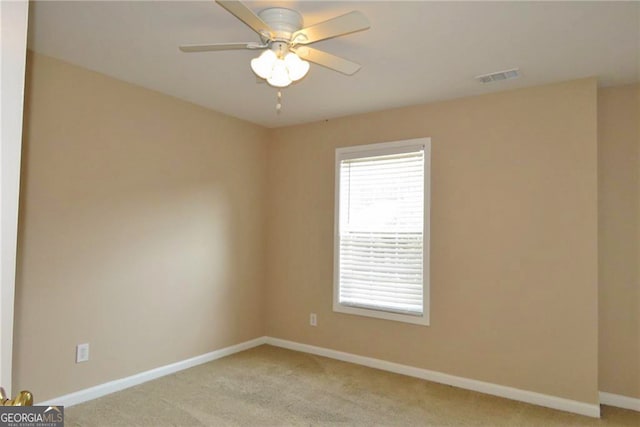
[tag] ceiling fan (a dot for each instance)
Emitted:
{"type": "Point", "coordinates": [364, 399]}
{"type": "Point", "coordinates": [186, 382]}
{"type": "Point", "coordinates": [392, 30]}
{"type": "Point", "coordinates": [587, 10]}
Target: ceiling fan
{"type": "Point", "coordinates": [285, 42]}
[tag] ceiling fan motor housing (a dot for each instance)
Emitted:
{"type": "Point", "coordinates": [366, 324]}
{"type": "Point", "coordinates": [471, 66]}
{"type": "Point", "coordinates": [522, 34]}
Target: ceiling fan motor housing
{"type": "Point", "coordinates": [284, 22]}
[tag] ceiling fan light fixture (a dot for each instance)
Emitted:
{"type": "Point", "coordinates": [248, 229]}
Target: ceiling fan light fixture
{"type": "Point", "coordinates": [279, 72]}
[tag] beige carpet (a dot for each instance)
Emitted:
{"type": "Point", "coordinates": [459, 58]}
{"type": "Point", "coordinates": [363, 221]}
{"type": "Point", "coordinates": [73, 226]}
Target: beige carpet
{"type": "Point", "coordinates": [269, 386]}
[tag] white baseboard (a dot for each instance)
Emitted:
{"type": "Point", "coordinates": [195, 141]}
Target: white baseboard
{"type": "Point", "coordinates": [123, 383]}
{"type": "Point", "coordinates": [591, 410]}
{"type": "Point", "coordinates": [620, 401]}
{"type": "Point", "coordinates": [582, 408]}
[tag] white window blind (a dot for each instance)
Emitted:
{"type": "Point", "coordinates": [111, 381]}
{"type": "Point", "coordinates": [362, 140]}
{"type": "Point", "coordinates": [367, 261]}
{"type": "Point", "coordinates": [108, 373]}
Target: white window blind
{"type": "Point", "coordinates": [381, 230]}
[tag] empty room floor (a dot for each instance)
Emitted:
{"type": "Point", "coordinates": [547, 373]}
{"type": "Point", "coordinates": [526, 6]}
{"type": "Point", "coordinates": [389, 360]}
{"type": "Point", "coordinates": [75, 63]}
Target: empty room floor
{"type": "Point", "coordinates": [270, 386]}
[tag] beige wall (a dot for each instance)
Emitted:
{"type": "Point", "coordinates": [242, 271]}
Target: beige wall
{"type": "Point", "coordinates": [619, 239]}
{"type": "Point", "coordinates": [141, 230]}
{"type": "Point", "coordinates": [513, 239]}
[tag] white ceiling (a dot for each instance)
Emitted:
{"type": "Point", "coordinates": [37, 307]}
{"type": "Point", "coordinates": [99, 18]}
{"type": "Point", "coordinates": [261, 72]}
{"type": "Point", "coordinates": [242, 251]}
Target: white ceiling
{"type": "Point", "coordinates": [415, 52]}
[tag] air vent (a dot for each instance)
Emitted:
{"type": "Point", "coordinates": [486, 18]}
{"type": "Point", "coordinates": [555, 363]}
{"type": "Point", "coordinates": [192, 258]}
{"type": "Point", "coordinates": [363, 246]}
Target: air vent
{"type": "Point", "coordinates": [499, 75]}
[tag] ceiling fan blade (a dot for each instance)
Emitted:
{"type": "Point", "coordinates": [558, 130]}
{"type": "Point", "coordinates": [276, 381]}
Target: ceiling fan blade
{"type": "Point", "coordinates": [220, 46]}
{"type": "Point", "coordinates": [344, 24]}
{"type": "Point", "coordinates": [246, 15]}
{"type": "Point", "coordinates": [327, 60]}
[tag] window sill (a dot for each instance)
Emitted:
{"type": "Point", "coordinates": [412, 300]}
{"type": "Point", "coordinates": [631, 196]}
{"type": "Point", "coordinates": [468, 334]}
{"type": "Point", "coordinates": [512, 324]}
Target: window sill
{"type": "Point", "coordinates": [378, 314]}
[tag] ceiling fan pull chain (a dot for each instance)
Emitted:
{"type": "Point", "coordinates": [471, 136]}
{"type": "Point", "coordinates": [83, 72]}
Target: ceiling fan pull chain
{"type": "Point", "coordinates": [279, 102]}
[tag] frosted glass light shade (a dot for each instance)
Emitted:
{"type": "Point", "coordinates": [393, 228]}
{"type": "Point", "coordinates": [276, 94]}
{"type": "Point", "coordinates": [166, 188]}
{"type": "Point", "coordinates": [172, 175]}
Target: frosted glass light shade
{"type": "Point", "coordinates": [263, 65]}
{"type": "Point", "coordinates": [280, 76]}
{"type": "Point", "coordinates": [297, 67]}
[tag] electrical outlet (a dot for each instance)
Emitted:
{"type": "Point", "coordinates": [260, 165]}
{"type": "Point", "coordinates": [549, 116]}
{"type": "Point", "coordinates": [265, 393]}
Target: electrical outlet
{"type": "Point", "coordinates": [313, 319]}
{"type": "Point", "coordinates": [82, 352]}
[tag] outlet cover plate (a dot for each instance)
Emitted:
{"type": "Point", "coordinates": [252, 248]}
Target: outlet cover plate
{"type": "Point", "coordinates": [82, 353]}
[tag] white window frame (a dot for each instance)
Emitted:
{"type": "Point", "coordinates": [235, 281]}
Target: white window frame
{"type": "Point", "coordinates": [379, 149]}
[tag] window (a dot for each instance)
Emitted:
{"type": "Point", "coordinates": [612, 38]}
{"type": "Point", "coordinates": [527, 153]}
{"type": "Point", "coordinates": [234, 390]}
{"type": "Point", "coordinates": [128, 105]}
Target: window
{"type": "Point", "coordinates": [382, 230]}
